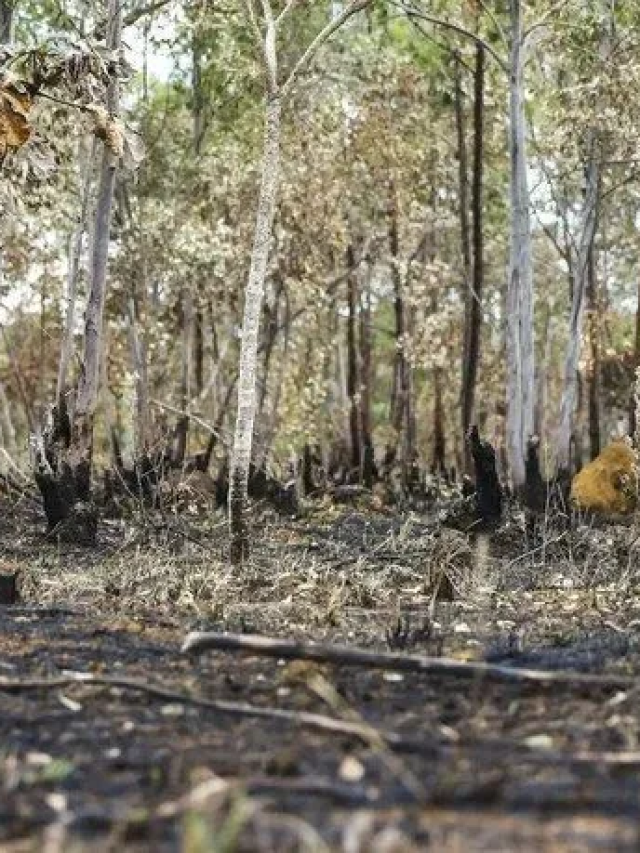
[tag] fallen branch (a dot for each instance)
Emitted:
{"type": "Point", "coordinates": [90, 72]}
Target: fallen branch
{"type": "Point", "coordinates": [319, 722]}
{"type": "Point", "coordinates": [197, 642]}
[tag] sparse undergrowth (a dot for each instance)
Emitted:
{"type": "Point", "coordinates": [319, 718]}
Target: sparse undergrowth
{"type": "Point", "coordinates": [175, 777]}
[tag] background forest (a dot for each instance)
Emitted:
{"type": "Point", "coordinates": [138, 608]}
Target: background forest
{"type": "Point", "coordinates": [384, 325]}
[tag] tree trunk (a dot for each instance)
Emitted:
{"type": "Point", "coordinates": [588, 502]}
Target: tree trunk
{"type": "Point", "coordinates": [141, 378]}
{"type": "Point", "coordinates": [64, 463]}
{"type": "Point", "coordinates": [182, 428]}
{"type": "Point", "coordinates": [7, 8]}
{"type": "Point", "coordinates": [634, 404]}
{"type": "Point", "coordinates": [520, 342]}
{"type": "Point", "coordinates": [579, 286]}
{"type": "Point", "coordinates": [87, 158]}
{"type": "Point", "coordinates": [8, 430]}
{"type": "Point", "coordinates": [400, 388]}
{"type": "Point", "coordinates": [353, 383]}
{"type": "Point", "coordinates": [473, 307]}
{"type": "Point", "coordinates": [241, 459]}
{"type": "Point", "coordinates": [366, 350]}
{"type": "Point", "coordinates": [439, 464]}
{"type": "Point", "coordinates": [594, 351]}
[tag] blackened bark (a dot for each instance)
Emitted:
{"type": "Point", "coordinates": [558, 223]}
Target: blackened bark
{"type": "Point", "coordinates": [473, 307]}
{"type": "Point", "coordinates": [198, 354]}
{"type": "Point", "coordinates": [488, 489]}
{"type": "Point", "coordinates": [439, 466]}
{"type": "Point", "coordinates": [535, 490]}
{"type": "Point", "coordinates": [594, 352]}
{"type": "Point", "coordinates": [65, 487]}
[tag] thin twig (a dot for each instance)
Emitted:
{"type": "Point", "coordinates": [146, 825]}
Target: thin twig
{"type": "Point", "coordinates": [198, 642]}
{"type": "Point", "coordinates": [412, 12]}
{"type": "Point", "coordinates": [319, 722]}
{"type": "Point", "coordinates": [353, 7]}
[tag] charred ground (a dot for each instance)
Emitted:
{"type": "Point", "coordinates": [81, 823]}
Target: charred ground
{"type": "Point", "coordinates": [479, 764]}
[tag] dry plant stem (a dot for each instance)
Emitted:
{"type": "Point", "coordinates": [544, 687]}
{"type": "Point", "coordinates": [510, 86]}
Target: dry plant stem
{"type": "Point", "coordinates": [198, 642]}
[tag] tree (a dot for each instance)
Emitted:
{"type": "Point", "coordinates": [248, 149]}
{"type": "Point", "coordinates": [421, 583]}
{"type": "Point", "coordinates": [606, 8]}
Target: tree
{"type": "Point", "coordinates": [64, 475]}
{"type": "Point", "coordinates": [520, 343]}
{"type": "Point", "coordinates": [265, 29]}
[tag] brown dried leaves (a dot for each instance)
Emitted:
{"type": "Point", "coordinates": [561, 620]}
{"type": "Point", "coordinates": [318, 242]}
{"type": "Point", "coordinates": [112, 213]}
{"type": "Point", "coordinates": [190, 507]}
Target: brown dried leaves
{"type": "Point", "coordinates": [15, 106]}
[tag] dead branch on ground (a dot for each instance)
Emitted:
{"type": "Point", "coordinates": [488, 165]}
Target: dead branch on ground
{"type": "Point", "coordinates": [199, 642]}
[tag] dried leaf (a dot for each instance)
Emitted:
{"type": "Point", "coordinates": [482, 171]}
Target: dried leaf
{"type": "Point", "coordinates": [15, 105]}
{"type": "Point", "coordinates": [107, 128]}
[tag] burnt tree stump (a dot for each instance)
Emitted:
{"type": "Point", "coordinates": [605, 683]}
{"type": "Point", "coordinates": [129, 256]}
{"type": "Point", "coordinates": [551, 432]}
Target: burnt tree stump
{"type": "Point", "coordinates": [488, 492]}
{"type": "Point", "coordinates": [65, 483]}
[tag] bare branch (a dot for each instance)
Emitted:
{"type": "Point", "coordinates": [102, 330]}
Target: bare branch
{"type": "Point", "coordinates": [134, 16]}
{"type": "Point", "coordinates": [541, 22]}
{"type": "Point", "coordinates": [197, 643]}
{"type": "Point", "coordinates": [412, 12]}
{"type": "Point", "coordinates": [270, 51]}
{"type": "Point", "coordinates": [285, 12]}
{"type": "Point", "coordinates": [350, 10]}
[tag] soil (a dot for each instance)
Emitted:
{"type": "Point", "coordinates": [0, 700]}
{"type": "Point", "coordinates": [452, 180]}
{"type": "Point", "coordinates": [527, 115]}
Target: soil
{"type": "Point", "coordinates": [491, 766]}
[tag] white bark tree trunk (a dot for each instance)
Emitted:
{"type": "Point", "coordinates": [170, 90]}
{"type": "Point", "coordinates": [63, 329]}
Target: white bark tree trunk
{"type": "Point", "coordinates": [520, 333]}
{"type": "Point", "coordinates": [87, 158]}
{"type": "Point", "coordinates": [254, 295]}
{"type": "Point", "coordinates": [81, 450]}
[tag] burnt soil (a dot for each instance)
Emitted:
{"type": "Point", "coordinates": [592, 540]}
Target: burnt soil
{"type": "Point", "coordinates": [493, 766]}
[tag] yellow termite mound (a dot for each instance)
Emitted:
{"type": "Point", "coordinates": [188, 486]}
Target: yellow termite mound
{"type": "Point", "coordinates": [609, 484]}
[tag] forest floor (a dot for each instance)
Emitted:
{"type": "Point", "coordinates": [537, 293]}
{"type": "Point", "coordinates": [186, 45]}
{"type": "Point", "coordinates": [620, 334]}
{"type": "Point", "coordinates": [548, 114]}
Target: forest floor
{"type": "Point", "coordinates": [134, 758]}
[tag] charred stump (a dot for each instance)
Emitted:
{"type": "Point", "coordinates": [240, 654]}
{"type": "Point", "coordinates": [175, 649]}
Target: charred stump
{"type": "Point", "coordinates": [63, 475]}
{"type": "Point", "coordinates": [488, 490]}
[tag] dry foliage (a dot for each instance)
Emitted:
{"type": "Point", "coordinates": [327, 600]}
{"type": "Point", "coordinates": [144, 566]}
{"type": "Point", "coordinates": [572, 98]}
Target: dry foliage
{"type": "Point", "coordinates": [15, 106]}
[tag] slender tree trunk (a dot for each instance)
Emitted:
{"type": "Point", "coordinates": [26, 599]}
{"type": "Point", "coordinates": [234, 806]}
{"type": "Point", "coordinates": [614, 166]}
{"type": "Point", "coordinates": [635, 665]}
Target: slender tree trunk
{"type": "Point", "coordinates": [520, 336]}
{"type": "Point", "coordinates": [463, 172]}
{"type": "Point", "coordinates": [439, 464]}
{"type": "Point", "coordinates": [579, 286]}
{"type": "Point", "coordinates": [473, 307]}
{"type": "Point", "coordinates": [366, 378]}
{"type": "Point", "coordinates": [353, 379]}
{"type": "Point", "coordinates": [400, 388]}
{"type": "Point", "coordinates": [141, 378]}
{"type": "Point", "coordinates": [182, 429]}
{"type": "Point", "coordinates": [198, 353]}
{"type": "Point", "coordinates": [633, 404]}
{"type": "Point", "coordinates": [241, 459]}
{"type": "Point", "coordinates": [8, 430]}
{"type": "Point", "coordinates": [7, 8]}
{"type": "Point", "coordinates": [594, 350]}
{"type": "Point", "coordinates": [198, 93]}
{"type": "Point", "coordinates": [87, 158]}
